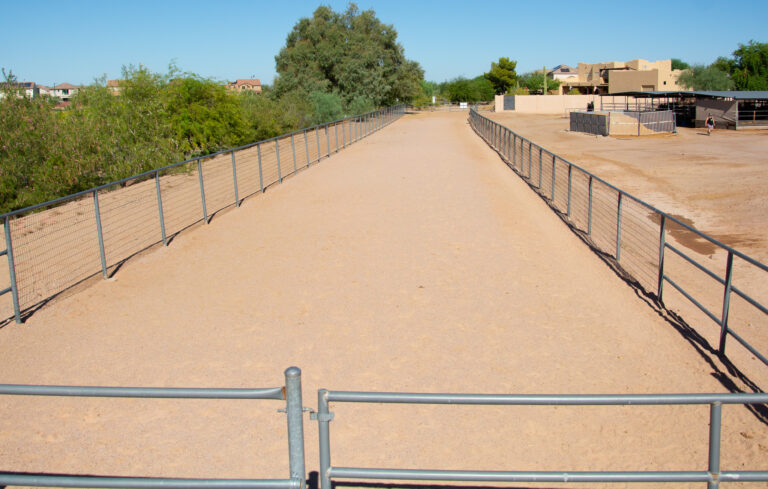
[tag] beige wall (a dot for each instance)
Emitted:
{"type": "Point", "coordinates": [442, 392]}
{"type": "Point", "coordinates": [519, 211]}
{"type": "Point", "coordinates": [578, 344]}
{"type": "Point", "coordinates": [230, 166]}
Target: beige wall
{"type": "Point", "coordinates": [723, 111]}
{"type": "Point", "coordinates": [548, 104]}
{"type": "Point", "coordinates": [631, 81]}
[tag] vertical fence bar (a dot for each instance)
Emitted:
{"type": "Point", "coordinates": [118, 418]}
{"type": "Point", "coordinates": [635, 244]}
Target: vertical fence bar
{"type": "Point", "coordinates": [522, 156]}
{"type": "Point", "coordinates": [589, 209]}
{"type": "Point", "coordinates": [12, 270]}
{"type": "Point", "coordinates": [99, 233]}
{"type": "Point", "coordinates": [234, 179]}
{"type": "Point", "coordinates": [343, 135]}
{"type": "Point", "coordinates": [540, 156]}
{"type": "Point", "coordinates": [514, 151]}
{"type": "Point", "coordinates": [530, 151]}
{"type": "Point", "coordinates": [715, 420]}
{"type": "Point", "coordinates": [261, 178]}
{"type": "Point", "coordinates": [336, 133]}
{"type": "Point", "coordinates": [160, 208]}
{"type": "Point", "coordinates": [327, 141]}
{"type": "Point", "coordinates": [317, 140]}
{"type": "Point", "coordinates": [570, 186]}
{"type": "Point", "coordinates": [554, 170]}
{"type": "Point", "coordinates": [662, 247]}
{"type": "Point", "coordinates": [293, 150]}
{"type": "Point", "coordinates": [323, 418]}
{"type": "Point", "coordinates": [726, 303]}
{"type": "Point", "coordinates": [294, 412]}
{"type": "Point", "coordinates": [306, 146]}
{"type": "Point", "coordinates": [277, 153]}
{"type": "Point", "coordinates": [618, 228]}
{"type": "Point", "coordinates": [202, 189]}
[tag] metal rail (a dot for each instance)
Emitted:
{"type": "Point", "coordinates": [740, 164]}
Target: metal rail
{"type": "Point", "coordinates": [290, 392]}
{"type": "Point", "coordinates": [494, 132]}
{"type": "Point", "coordinates": [712, 476]}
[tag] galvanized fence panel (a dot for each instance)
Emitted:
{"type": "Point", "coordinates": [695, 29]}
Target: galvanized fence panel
{"type": "Point", "coordinates": [290, 392]}
{"type": "Point", "coordinates": [60, 243]}
{"type": "Point", "coordinates": [667, 257]}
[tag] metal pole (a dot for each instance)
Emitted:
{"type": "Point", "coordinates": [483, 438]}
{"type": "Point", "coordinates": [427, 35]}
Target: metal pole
{"type": "Point", "coordinates": [98, 232]}
{"type": "Point", "coordinates": [530, 150]}
{"type": "Point", "coordinates": [323, 418]}
{"type": "Point", "coordinates": [336, 134]}
{"type": "Point", "coordinates": [261, 179]}
{"type": "Point", "coordinates": [294, 412]}
{"type": "Point", "coordinates": [293, 150]}
{"type": "Point", "coordinates": [589, 210]}
{"type": "Point", "coordinates": [715, 418]}
{"type": "Point", "coordinates": [662, 247]}
{"type": "Point", "coordinates": [202, 189]}
{"type": "Point", "coordinates": [160, 208]}
{"type": "Point", "coordinates": [726, 303]}
{"type": "Point", "coordinates": [12, 270]}
{"type": "Point", "coordinates": [277, 152]}
{"type": "Point", "coordinates": [540, 155]}
{"type": "Point", "coordinates": [514, 151]}
{"type": "Point", "coordinates": [306, 146]}
{"type": "Point", "coordinates": [570, 180]}
{"type": "Point", "coordinates": [343, 136]}
{"type": "Point", "coordinates": [317, 138]}
{"type": "Point", "coordinates": [327, 141]}
{"type": "Point", "coordinates": [618, 228]}
{"type": "Point", "coordinates": [234, 179]}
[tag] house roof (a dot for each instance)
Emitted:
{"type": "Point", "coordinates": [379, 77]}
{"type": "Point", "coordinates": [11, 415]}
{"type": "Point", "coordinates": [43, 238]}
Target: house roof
{"type": "Point", "coordinates": [113, 83]}
{"type": "Point", "coordinates": [64, 86]}
{"type": "Point", "coordinates": [564, 69]}
{"type": "Point", "coordinates": [247, 81]}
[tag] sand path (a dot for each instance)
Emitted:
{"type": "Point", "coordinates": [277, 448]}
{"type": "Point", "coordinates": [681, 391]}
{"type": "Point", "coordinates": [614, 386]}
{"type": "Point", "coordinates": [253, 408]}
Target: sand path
{"type": "Point", "coordinates": [412, 261]}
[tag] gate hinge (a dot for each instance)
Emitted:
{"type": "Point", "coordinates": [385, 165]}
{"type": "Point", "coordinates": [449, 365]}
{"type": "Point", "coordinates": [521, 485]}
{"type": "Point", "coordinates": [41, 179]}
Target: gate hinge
{"type": "Point", "coordinates": [321, 416]}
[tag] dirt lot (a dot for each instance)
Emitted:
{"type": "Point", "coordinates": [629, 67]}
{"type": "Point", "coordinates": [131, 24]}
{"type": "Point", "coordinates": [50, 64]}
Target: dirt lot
{"type": "Point", "coordinates": [719, 183]}
{"type": "Point", "coordinates": [412, 261]}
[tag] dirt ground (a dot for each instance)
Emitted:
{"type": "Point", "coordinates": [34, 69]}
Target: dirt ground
{"type": "Point", "coordinates": [414, 260]}
{"type": "Point", "coordinates": [715, 183]}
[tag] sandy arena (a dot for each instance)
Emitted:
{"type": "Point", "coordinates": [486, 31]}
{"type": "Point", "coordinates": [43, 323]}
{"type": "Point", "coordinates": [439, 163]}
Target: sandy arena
{"type": "Point", "coordinates": [414, 260]}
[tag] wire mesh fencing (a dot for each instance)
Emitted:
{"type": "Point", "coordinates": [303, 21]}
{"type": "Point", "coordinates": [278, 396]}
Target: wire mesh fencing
{"type": "Point", "coordinates": [669, 260]}
{"type": "Point", "coordinates": [55, 245]}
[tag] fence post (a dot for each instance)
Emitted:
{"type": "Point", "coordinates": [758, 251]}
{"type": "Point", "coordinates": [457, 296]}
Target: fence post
{"type": "Point", "coordinates": [662, 247]}
{"type": "Point", "coordinates": [323, 418]}
{"type": "Point", "coordinates": [317, 139]}
{"type": "Point", "coordinates": [160, 208]}
{"type": "Point", "coordinates": [293, 150]}
{"type": "Point", "coordinates": [261, 179]}
{"type": "Point", "coordinates": [726, 303]}
{"type": "Point", "coordinates": [295, 412]}
{"type": "Point", "coordinates": [99, 233]}
{"type": "Point", "coordinates": [570, 180]}
{"type": "Point", "coordinates": [589, 210]}
{"type": "Point", "coordinates": [618, 228]}
{"type": "Point", "coordinates": [306, 146]}
{"type": "Point", "coordinates": [522, 156]}
{"type": "Point", "coordinates": [336, 134]}
{"type": "Point", "coordinates": [12, 270]}
{"type": "Point", "coordinates": [530, 150]}
{"type": "Point", "coordinates": [540, 156]}
{"type": "Point", "coordinates": [554, 173]}
{"type": "Point", "coordinates": [277, 153]}
{"type": "Point", "coordinates": [234, 179]}
{"type": "Point", "coordinates": [514, 151]}
{"type": "Point", "coordinates": [202, 189]}
{"type": "Point", "coordinates": [327, 141]}
{"type": "Point", "coordinates": [715, 420]}
{"type": "Point", "coordinates": [343, 135]}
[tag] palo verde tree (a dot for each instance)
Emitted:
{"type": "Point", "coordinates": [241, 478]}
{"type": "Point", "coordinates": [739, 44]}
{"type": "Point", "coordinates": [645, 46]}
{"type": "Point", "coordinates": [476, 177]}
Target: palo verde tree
{"type": "Point", "coordinates": [351, 55]}
{"type": "Point", "coordinates": [502, 75]}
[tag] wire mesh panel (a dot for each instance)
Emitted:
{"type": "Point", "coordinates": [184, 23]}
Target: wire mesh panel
{"type": "Point", "coordinates": [130, 220]}
{"type": "Point", "coordinates": [218, 182]}
{"type": "Point", "coordinates": [269, 163]}
{"type": "Point", "coordinates": [286, 157]}
{"type": "Point", "coordinates": [55, 249]}
{"type": "Point", "coordinates": [604, 211]}
{"type": "Point", "coordinates": [180, 194]}
{"type": "Point", "coordinates": [640, 242]}
{"type": "Point", "coordinates": [247, 161]}
{"type": "Point", "coordinates": [579, 199]}
{"type": "Point", "coordinates": [561, 185]}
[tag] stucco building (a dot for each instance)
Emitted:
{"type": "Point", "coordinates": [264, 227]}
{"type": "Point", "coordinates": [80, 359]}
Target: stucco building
{"type": "Point", "coordinates": [241, 84]}
{"type": "Point", "coordinates": [613, 77]}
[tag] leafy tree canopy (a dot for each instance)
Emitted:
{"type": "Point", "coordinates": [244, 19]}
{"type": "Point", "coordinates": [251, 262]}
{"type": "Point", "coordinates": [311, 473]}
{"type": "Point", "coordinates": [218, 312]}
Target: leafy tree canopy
{"type": "Point", "coordinates": [461, 89]}
{"type": "Point", "coordinates": [678, 64]}
{"type": "Point", "coordinates": [534, 82]}
{"type": "Point", "coordinates": [350, 54]}
{"type": "Point", "coordinates": [750, 66]}
{"type": "Point", "coordinates": [701, 77]}
{"type": "Point", "coordinates": [502, 75]}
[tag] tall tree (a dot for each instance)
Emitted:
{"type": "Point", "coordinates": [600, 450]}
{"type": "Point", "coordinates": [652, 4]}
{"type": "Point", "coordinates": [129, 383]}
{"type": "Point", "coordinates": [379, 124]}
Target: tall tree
{"type": "Point", "coordinates": [750, 66]}
{"type": "Point", "coordinates": [502, 75]}
{"type": "Point", "coordinates": [350, 54]}
{"type": "Point", "coordinates": [678, 64]}
{"type": "Point", "coordinates": [701, 77]}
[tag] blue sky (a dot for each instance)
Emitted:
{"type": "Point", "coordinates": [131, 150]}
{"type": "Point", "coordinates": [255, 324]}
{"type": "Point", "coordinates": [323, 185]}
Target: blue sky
{"type": "Point", "coordinates": [77, 41]}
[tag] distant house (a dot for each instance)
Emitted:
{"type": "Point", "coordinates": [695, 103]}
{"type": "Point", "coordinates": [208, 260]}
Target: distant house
{"type": "Point", "coordinates": [45, 90]}
{"type": "Point", "coordinates": [114, 86]}
{"type": "Point", "coordinates": [615, 76]}
{"type": "Point", "coordinates": [241, 84]}
{"type": "Point", "coordinates": [64, 91]}
{"type": "Point", "coordinates": [563, 72]}
{"type": "Point", "coordinates": [28, 89]}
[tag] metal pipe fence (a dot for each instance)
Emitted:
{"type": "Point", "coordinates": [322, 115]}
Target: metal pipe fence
{"type": "Point", "coordinates": [290, 392]}
{"type": "Point", "coordinates": [712, 476]}
{"type": "Point", "coordinates": [636, 236]}
{"type": "Point", "coordinates": [57, 244]}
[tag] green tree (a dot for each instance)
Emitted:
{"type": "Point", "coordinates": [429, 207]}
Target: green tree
{"type": "Point", "coordinates": [678, 64]}
{"type": "Point", "coordinates": [534, 82]}
{"type": "Point", "coordinates": [750, 67]}
{"type": "Point", "coordinates": [701, 77]}
{"type": "Point", "coordinates": [461, 89]}
{"type": "Point", "coordinates": [502, 75]}
{"type": "Point", "coordinates": [351, 54]}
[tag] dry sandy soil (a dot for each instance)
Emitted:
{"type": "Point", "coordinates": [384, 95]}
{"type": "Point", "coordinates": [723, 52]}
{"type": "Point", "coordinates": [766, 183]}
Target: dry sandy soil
{"type": "Point", "coordinates": [415, 260]}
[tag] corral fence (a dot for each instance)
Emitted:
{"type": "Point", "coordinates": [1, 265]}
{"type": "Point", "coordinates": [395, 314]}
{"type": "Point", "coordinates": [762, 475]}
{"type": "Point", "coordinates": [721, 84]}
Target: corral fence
{"type": "Point", "coordinates": [626, 123]}
{"type": "Point", "coordinates": [55, 245]}
{"type": "Point", "coordinates": [635, 235]}
{"type": "Point", "coordinates": [290, 392]}
{"type": "Point", "coordinates": [712, 476]}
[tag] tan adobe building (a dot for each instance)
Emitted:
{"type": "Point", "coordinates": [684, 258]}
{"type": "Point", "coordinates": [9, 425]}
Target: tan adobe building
{"type": "Point", "coordinates": [241, 84]}
{"type": "Point", "coordinates": [638, 75]}
{"type": "Point", "coordinates": [114, 86]}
